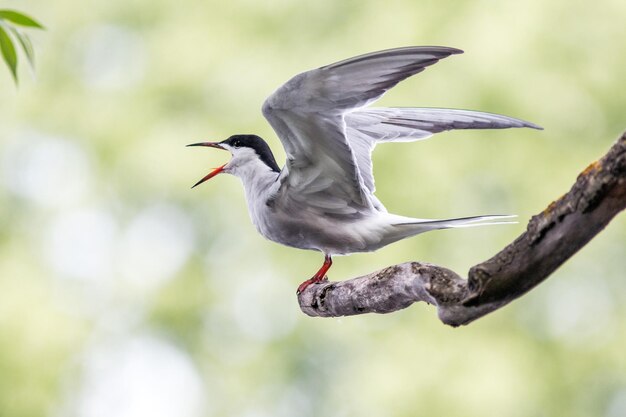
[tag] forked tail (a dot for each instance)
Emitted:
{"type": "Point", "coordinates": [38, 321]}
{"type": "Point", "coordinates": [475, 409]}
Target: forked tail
{"type": "Point", "coordinates": [462, 222]}
{"type": "Point", "coordinates": [406, 226]}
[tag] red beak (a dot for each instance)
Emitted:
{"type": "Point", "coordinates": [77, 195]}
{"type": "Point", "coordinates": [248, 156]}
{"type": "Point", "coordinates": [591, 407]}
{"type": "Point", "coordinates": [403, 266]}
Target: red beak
{"type": "Point", "coordinates": [216, 170]}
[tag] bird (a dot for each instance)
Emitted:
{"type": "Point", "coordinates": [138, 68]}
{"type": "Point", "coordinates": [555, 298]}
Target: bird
{"type": "Point", "coordinates": [323, 197]}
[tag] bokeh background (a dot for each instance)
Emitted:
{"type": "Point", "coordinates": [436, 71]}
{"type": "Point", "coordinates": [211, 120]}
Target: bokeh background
{"type": "Point", "coordinates": [124, 293]}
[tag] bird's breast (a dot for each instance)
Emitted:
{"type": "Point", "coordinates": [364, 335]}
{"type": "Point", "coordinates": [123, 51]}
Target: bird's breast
{"type": "Point", "coordinates": [305, 230]}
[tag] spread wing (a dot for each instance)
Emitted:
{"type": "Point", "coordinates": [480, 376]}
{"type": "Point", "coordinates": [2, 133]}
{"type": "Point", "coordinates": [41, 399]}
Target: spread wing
{"type": "Point", "coordinates": [367, 127]}
{"type": "Point", "coordinates": [309, 115]}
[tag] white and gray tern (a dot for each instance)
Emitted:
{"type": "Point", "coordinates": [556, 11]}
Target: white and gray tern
{"type": "Point", "coordinates": [323, 198]}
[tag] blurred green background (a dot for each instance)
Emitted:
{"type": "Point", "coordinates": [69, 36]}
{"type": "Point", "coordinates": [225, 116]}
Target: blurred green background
{"type": "Point", "coordinates": [124, 293]}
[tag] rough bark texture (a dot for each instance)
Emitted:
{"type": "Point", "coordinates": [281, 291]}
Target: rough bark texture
{"type": "Point", "coordinates": [551, 238]}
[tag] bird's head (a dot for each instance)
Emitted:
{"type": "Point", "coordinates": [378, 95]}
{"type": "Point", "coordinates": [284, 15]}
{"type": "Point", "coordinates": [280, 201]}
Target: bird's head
{"type": "Point", "coordinates": [249, 152]}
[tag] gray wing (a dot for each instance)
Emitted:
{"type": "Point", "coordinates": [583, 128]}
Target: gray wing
{"type": "Point", "coordinates": [308, 113]}
{"type": "Point", "coordinates": [367, 127]}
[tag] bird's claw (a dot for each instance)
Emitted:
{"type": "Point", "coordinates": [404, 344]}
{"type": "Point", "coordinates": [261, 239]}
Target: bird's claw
{"type": "Point", "coordinates": [305, 284]}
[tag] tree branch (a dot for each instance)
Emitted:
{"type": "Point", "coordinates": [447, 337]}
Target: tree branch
{"type": "Point", "coordinates": [551, 238]}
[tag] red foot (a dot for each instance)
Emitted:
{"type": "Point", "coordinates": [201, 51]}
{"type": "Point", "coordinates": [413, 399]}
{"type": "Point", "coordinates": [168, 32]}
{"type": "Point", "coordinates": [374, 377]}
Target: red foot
{"type": "Point", "coordinates": [319, 275]}
{"type": "Point", "coordinates": [308, 282]}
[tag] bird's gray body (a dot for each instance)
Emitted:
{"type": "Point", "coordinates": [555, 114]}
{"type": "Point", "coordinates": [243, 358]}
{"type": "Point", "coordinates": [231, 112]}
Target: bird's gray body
{"type": "Point", "coordinates": [332, 229]}
{"type": "Point", "coordinates": [323, 198]}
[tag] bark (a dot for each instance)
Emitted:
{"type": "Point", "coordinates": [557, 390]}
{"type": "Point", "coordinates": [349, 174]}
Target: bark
{"type": "Point", "coordinates": [551, 237]}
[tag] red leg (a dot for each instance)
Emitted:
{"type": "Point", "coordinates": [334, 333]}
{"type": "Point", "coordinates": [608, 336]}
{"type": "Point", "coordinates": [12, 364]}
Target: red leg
{"type": "Point", "coordinates": [319, 275]}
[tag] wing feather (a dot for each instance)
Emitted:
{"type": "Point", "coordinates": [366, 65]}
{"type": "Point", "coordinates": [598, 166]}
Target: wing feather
{"type": "Point", "coordinates": [367, 127]}
{"type": "Point", "coordinates": [308, 114]}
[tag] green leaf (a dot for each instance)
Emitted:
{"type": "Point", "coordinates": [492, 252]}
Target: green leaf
{"type": "Point", "coordinates": [20, 19]}
{"type": "Point", "coordinates": [8, 52]}
{"type": "Point", "coordinates": [27, 46]}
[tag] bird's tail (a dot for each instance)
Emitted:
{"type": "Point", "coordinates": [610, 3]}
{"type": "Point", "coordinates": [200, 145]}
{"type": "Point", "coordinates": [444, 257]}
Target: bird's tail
{"type": "Point", "coordinates": [487, 220]}
{"type": "Point", "coordinates": [405, 226]}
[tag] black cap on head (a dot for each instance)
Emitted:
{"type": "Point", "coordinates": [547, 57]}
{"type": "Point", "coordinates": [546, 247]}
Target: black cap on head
{"type": "Point", "coordinates": [259, 145]}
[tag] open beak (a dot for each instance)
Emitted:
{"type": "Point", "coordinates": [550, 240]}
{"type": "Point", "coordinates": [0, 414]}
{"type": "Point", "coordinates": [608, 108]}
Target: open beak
{"type": "Point", "coordinates": [209, 144]}
{"type": "Point", "coordinates": [216, 170]}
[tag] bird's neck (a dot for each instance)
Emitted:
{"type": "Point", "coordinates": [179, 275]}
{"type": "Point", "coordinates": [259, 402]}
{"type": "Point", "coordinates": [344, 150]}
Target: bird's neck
{"type": "Point", "coordinates": [258, 180]}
